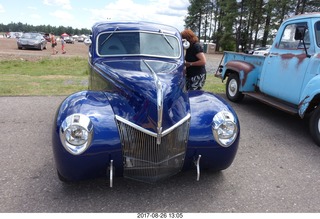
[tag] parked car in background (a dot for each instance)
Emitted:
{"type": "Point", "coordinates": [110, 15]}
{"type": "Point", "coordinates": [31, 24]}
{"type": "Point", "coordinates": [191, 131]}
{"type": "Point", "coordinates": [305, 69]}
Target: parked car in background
{"type": "Point", "coordinates": [32, 41]}
{"type": "Point", "coordinates": [69, 39]}
{"type": "Point", "coordinates": [137, 120]}
{"type": "Point", "coordinates": [80, 39]}
{"type": "Point", "coordinates": [262, 51]}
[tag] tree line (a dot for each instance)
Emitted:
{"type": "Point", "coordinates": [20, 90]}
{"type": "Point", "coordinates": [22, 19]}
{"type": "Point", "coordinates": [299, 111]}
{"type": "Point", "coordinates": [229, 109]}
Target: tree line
{"type": "Point", "coordinates": [20, 27]}
{"type": "Point", "coordinates": [240, 25]}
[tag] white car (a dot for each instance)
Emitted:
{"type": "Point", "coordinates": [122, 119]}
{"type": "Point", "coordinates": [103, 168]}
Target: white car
{"type": "Point", "coordinates": [262, 51]}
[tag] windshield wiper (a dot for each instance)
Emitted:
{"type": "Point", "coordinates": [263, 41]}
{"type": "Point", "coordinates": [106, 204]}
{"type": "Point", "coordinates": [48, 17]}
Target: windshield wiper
{"type": "Point", "coordinates": [164, 36]}
{"type": "Point", "coordinates": [109, 36]}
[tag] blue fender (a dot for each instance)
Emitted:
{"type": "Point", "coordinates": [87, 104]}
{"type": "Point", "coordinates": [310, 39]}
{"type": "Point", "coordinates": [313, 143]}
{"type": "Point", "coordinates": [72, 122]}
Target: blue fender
{"type": "Point", "coordinates": [204, 106]}
{"type": "Point", "coordinates": [311, 90]}
{"type": "Point", "coordinates": [105, 145]}
{"type": "Point", "coordinates": [248, 68]}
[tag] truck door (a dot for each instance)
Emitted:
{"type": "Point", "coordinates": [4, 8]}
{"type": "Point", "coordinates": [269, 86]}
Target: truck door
{"type": "Point", "coordinates": [285, 67]}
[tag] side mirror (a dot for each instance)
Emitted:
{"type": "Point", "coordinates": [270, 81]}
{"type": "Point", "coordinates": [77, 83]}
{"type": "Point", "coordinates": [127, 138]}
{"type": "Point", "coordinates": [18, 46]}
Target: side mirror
{"type": "Point", "coordinates": [87, 42]}
{"type": "Point", "coordinates": [300, 31]}
{"type": "Point", "coordinates": [185, 44]}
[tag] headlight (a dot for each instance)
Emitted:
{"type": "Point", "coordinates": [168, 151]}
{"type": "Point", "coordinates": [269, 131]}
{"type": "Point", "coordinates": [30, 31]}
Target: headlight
{"type": "Point", "coordinates": [76, 133]}
{"type": "Point", "coordinates": [224, 128]}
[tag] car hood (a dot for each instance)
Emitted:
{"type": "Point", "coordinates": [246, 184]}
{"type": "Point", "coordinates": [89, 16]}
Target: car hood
{"type": "Point", "coordinates": [29, 40]}
{"type": "Point", "coordinates": [145, 92]}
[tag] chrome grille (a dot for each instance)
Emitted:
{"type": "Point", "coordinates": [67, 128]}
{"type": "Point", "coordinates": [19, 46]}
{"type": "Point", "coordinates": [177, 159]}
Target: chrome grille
{"type": "Point", "coordinates": [147, 161]}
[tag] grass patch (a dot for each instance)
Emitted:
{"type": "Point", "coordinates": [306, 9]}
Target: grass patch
{"type": "Point", "coordinates": [58, 76]}
{"type": "Point", "coordinates": [61, 76]}
{"type": "Point", "coordinates": [214, 84]}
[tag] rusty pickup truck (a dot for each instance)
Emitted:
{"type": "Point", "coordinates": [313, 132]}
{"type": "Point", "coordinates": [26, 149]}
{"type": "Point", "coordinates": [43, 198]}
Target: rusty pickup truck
{"type": "Point", "coordinates": [288, 77]}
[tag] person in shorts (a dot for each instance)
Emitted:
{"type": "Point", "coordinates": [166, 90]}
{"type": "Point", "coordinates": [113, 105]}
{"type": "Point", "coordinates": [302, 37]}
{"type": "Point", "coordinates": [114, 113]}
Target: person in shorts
{"type": "Point", "coordinates": [195, 62]}
{"type": "Point", "coordinates": [63, 43]}
{"type": "Point", "coordinates": [53, 43]}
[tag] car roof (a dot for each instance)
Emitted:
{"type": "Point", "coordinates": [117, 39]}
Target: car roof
{"type": "Point", "coordinates": [133, 26]}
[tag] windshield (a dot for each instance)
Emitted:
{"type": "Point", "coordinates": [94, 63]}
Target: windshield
{"type": "Point", "coordinates": [138, 43]}
{"type": "Point", "coordinates": [31, 36]}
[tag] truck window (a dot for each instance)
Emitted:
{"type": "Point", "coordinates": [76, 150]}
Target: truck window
{"type": "Point", "coordinates": [287, 40]}
{"type": "Point", "coordinates": [317, 32]}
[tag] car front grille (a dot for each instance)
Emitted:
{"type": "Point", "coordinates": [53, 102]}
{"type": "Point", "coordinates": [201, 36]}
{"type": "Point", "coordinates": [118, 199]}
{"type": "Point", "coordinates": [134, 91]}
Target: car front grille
{"type": "Point", "coordinates": [148, 161]}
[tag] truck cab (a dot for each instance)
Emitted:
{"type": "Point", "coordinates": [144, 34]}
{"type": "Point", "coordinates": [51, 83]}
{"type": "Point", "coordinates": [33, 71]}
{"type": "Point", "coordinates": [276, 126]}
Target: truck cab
{"type": "Point", "coordinates": [287, 77]}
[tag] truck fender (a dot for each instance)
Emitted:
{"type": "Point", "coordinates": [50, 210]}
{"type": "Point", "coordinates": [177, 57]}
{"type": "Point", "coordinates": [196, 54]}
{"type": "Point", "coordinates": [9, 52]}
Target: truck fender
{"type": "Point", "coordinates": [310, 96]}
{"type": "Point", "coordinates": [242, 69]}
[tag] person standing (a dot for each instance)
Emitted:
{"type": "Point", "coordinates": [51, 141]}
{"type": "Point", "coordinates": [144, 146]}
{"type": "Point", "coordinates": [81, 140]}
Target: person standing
{"type": "Point", "coordinates": [63, 45]}
{"type": "Point", "coordinates": [53, 43]}
{"type": "Point", "coordinates": [195, 62]}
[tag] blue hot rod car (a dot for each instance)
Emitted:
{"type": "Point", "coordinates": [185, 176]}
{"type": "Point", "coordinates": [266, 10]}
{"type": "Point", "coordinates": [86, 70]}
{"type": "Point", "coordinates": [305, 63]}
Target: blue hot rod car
{"type": "Point", "coordinates": [137, 120]}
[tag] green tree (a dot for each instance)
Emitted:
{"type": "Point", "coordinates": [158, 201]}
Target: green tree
{"type": "Point", "coordinates": [199, 17]}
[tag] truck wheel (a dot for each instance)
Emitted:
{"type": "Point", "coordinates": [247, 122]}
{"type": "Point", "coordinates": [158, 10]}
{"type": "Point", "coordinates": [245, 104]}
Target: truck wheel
{"type": "Point", "coordinates": [314, 125]}
{"type": "Point", "coordinates": [232, 88]}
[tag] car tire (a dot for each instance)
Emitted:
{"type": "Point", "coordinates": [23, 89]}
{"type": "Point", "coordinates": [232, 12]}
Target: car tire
{"type": "Point", "coordinates": [314, 125]}
{"type": "Point", "coordinates": [62, 179]}
{"type": "Point", "coordinates": [232, 88]}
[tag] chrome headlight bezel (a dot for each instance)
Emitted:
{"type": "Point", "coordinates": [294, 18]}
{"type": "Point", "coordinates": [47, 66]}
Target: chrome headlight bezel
{"type": "Point", "coordinates": [76, 133]}
{"type": "Point", "coordinates": [225, 128]}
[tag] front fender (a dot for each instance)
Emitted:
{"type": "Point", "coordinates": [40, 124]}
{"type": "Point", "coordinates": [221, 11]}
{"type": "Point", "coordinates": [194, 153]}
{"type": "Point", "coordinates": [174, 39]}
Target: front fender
{"type": "Point", "coordinates": [310, 93]}
{"type": "Point", "coordinates": [105, 145]}
{"type": "Point", "coordinates": [204, 106]}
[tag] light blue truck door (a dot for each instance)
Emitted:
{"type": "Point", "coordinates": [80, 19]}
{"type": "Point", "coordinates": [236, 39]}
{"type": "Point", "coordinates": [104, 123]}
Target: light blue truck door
{"type": "Point", "coordinates": [286, 65]}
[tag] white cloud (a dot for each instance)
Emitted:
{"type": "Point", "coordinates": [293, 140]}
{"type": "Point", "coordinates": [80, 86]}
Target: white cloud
{"type": "Point", "coordinates": [35, 16]}
{"type": "Point", "coordinates": [161, 11]}
{"type": "Point", "coordinates": [32, 8]}
{"type": "Point", "coordinates": [64, 4]}
{"type": "Point", "coordinates": [2, 9]}
{"type": "Point", "coordinates": [62, 15]}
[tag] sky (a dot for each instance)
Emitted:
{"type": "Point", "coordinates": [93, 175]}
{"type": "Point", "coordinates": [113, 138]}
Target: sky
{"type": "Point", "coordinates": [84, 13]}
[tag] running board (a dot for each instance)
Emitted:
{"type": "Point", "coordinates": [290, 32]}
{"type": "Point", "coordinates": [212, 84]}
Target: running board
{"type": "Point", "coordinates": [289, 108]}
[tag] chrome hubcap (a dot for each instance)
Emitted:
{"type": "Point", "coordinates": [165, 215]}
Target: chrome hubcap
{"type": "Point", "coordinates": [233, 87]}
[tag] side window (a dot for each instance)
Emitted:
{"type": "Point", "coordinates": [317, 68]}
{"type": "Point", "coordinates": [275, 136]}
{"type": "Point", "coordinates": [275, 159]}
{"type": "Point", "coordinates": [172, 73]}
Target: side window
{"type": "Point", "coordinates": [317, 33]}
{"type": "Point", "coordinates": [287, 40]}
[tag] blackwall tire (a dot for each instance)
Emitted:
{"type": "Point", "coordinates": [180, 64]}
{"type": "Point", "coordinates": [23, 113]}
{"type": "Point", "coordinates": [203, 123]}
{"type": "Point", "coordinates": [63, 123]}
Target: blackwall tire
{"type": "Point", "coordinates": [62, 179]}
{"type": "Point", "coordinates": [314, 125]}
{"type": "Point", "coordinates": [232, 88]}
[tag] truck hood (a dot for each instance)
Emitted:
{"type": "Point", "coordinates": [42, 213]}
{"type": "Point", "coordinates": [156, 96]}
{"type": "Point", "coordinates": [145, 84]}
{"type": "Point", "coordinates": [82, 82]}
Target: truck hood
{"type": "Point", "coordinates": [146, 92]}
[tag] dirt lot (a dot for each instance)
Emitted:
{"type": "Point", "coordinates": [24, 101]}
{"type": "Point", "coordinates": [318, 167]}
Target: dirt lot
{"type": "Point", "coordinates": [9, 51]}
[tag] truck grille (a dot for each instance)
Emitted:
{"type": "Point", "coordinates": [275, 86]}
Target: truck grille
{"type": "Point", "coordinates": [144, 159]}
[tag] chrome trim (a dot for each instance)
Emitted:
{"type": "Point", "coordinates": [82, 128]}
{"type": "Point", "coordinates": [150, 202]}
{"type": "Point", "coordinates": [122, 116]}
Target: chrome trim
{"type": "Point", "coordinates": [146, 160]}
{"type": "Point", "coordinates": [138, 31]}
{"type": "Point", "coordinates": [198, 167]}
{"type": "Point", "coordinates": [79, 120]}
{"type": "Point", "coordinates": [167, 131]}
{"type": "Point", "coordinates": [111, 173]}
{"type": "Point", "coordinates": [159, 101]}
{"type": "Point", "coordinates": [224, 128]}
{"type": "Point", "coordinates": [153, 134]}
